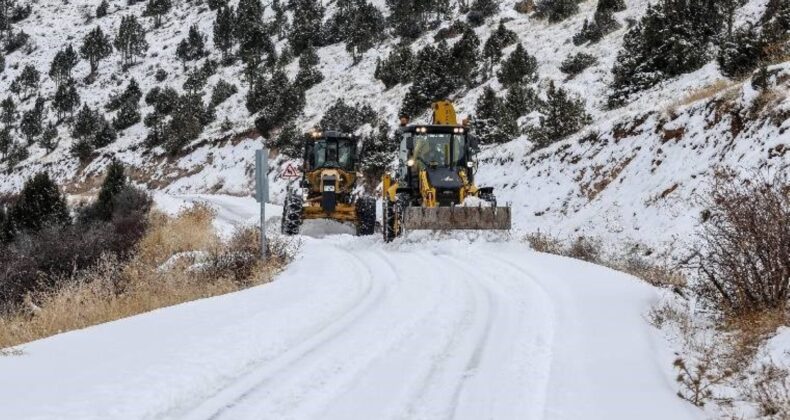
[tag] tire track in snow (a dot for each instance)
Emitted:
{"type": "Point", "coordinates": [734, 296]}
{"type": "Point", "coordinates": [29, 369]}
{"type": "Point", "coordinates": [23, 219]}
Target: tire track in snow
{"type": "Point", "coordinates": [539, 343]}
{"type": "Point", "coordinates": [448, 367]}
{"type": "Point", "coordinates": [225, 399]}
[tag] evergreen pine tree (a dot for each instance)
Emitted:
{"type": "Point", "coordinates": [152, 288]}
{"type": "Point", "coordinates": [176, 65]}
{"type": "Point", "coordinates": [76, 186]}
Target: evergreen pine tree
{"type": "Point", "coordinates": [364, 31]}
{"type": "Point", "coordinates": [40, 204]}
{"type": "Point", "coordinates": [6, 142]}
{"type": "Point", "coordinates": [378, 148]}
{"type": "Point", "coordinates": [275, 102]}
{"type": "Point", "coordinates": [741, 52]}
{"type": "Point", "coordinates": [397, 68]}
{"type": "Point", "coordinates": [114, 183]}
{"type": "Point", "coordinates": [29, 80]}
{"type": "Point", "coordinates": [289, 141]}
{"type": "Point", "coordinates": [86, 123]}
{"type": "Point", "coordinates": [62, 64]}
{"type": "Point", "coordinates": [31, 124]}
{"type": "Point", "coordinates": [520, 67]}
{"type": "Point", "coordinates": [130, 40]}
{"type": "Point", "coordinates": [573, 65]}
{"type": "Point", "coordinates": [557, 10]}
{"type": "Point", "coordinates": [521, 100]}
{"type": "Point", "coordinates": [8, 113]}
{"type": "Point", "coordinates": [95, 48]}
{"type": "Point", "coordinates": [346, 118]}
{"type": "Point", "coordinates": [186, 123]}
{"type": "Point", "coordinates": [254, 47]}
{"type": "Point", "coordinates": [432, 81]}
{"type": "Point", "coordinates": [157, 9]}
{"type": "Point", "coordinates": [49, 138]}
{"type": "Point", "coordinates": [501, 38]}
{"type": "Point", "coordinates": [217, 4]}
{"type": "Point", "coordinates": [466, 56]}
{"type": "Point", "coordinates": [495, 123]}
{"type": "Point", "coordinates": [410, 18]}
{"type": "Point", "coordinates": [105, 135]}
{"type": "Point", "coordinates": [192, 47]}
{"type": "Point", "coordinates": [562, 115]}
{"type": "Point", "coordinates": [672, 38]}
{"type": "Point", "coordinates": [307, 24]}
{"type": "Point", "coordinates": [66, 99]}
{"type": "Point", "coordinates": [101, 10]}
{"type": "Point", "coordinates": [224, 38]}
{"type": "Point", "coordinates": [280, 23]}
{"type": "Point", "coordinates": [308, 75]}
{"type": "Point", "coordinates": [127, 116]}
{"type": "Point", "coordinates": [222, 91]}
{"type": "Point", "coordinates": [82, 149]}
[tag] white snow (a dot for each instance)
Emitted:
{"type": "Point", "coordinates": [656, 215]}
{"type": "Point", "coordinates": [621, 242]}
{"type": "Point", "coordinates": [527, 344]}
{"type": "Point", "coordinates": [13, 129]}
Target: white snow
{"type": "Point", "coordinates": [359, 329]}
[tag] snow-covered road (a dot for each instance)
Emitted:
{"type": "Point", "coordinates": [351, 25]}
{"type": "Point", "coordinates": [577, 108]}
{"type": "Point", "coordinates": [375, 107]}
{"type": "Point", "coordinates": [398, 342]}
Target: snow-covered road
{"type": "Point", "coordinates": [356, 329]}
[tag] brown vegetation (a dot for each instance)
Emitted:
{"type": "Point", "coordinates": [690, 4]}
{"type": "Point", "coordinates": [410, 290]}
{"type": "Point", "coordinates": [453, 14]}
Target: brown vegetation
{"type": "Point", "coordinates": [112, 289]}
{"type": "Point", "coordinates": [744, 260]}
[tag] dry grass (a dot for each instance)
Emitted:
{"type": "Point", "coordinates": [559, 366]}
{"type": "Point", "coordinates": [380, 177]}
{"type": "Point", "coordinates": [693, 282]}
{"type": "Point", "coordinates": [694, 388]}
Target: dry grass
{"type": "Point", "coordinates": [705, 92]}
{"type": "Point", "coordinates": [191, 230]}
{"type": "Point", "coordinates": [542, 242]}
{"type": "Point", "coordinates": [113, 290]}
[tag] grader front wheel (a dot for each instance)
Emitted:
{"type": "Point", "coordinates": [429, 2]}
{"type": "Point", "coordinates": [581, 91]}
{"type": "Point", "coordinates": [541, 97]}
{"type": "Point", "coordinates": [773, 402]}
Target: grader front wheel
{"type": "Point", "coordinates": [293, 214]}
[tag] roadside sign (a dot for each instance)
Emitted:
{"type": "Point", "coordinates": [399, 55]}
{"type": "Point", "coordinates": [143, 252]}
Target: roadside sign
{"type": "Point", "coordinates": [262, 176]}
{"type": "Point", "coordinates": [262, 193]}
{"type": "Point", "coordinates": [290, 172]}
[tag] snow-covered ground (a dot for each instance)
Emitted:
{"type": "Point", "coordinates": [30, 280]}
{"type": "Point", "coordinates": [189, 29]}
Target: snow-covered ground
{"type": "Point", "coordinates": [356, 329]}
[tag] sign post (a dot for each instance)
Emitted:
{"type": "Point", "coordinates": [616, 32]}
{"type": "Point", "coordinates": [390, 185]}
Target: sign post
{"type": "Point", "coordinates": [262, 193]}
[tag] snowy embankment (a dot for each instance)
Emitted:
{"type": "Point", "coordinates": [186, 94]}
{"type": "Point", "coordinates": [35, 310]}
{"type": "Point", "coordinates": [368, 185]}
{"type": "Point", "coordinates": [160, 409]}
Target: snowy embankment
{"type": "Point", "coordinates": [358, 329]}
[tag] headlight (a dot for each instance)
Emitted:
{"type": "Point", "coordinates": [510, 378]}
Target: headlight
{"type": "Point", "coordinates": [410, 163]}
{"type": "Point", "coordinates": [470, 164]}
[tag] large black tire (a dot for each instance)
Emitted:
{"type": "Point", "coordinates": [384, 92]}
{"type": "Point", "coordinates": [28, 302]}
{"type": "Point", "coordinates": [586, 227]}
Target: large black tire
{"type": "Point", "coordinates": [389, 221]}
{"type": "Point", "coordinates": [393, 218]}
{"type": "Point", "coordinates": [366, 216]}
{"type": "Point", "coordinates": [293, 214]}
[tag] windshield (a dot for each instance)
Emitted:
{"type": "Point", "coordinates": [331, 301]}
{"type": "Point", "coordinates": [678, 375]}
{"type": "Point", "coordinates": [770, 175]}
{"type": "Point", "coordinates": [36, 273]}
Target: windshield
{"type": "Point", "coordinates": [443, 150]}
{"type": "Point", "coordinates": [333, 153]}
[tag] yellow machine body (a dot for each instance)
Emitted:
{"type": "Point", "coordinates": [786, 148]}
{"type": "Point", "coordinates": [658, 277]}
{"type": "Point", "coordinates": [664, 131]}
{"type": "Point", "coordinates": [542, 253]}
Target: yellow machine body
{"type": "Point", "coordinates": [343, 183]}
{"type": "Point", "coordinates": [424, 209]}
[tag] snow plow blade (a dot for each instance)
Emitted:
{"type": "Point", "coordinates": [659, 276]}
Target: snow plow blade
{"type": "Point", "coordinates": [457, 218]}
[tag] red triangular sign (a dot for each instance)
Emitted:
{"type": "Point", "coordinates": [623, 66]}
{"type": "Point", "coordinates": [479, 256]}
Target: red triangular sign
{"type": "Point", "coordinates": [290, 172]}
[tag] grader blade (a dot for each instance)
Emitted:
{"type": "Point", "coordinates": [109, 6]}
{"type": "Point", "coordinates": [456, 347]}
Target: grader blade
{"type": "Point", "coordinates": [457, 218]}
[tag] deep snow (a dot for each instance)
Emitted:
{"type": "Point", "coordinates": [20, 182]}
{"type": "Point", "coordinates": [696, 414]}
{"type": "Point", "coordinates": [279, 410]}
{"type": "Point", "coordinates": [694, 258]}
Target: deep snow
{"type": "Point", "coordinates": [359, 329]}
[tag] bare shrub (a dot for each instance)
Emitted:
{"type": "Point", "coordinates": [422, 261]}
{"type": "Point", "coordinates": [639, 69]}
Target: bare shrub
{"type": "Point", "coordinates": [238, 259]}
{"type": "Point", "coordinates": [770, 391]}
{"type": "Point", "coordinates": [541, 242]}
{"type": "Point", "coordinates": [585, 249]}
{"type": "Point", "coordinates": [655, 274]}
{"type": "Point", "coordinates": [698, 378]}
{"type": "Point", "coordinates": [115, 288]}
{"type": "Point", "coordinates": [744, 260]}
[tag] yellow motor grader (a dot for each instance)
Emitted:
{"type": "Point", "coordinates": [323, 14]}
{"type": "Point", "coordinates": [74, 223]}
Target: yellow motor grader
{"type": "Point", "coordinates": [434, 188]}
{"type": "Point", "coordinates": [326, 190]}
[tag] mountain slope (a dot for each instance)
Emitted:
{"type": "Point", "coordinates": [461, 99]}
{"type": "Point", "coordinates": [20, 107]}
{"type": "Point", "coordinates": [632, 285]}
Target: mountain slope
{"type": "Point", "coordinates": [630, 180]}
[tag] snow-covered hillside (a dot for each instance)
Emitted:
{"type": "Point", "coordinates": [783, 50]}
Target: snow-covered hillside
{"type": "Point", "coordinates": [633, 173]}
